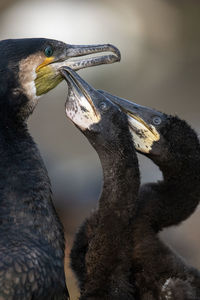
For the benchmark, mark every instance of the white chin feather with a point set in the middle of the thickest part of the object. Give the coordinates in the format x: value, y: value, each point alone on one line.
x: 143, y: 138
x: 80, y: 112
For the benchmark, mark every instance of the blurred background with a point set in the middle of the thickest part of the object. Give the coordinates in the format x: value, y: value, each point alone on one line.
x: 160, y: 67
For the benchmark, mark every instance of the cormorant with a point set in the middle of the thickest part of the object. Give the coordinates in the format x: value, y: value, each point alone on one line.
x: 156, y: 270
x: 159, y: 273
x: 108, y: 257
x: 31, y: 235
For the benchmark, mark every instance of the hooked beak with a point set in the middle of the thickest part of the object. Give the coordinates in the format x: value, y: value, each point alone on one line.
x: 72, y: 56
x: 82, y: 50
x: 141, y: 122
x: 48, y: 75
x: 82, y: 100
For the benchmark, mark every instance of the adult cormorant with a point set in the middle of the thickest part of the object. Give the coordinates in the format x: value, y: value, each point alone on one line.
x: 109, y: 230
x: 31, y: 235
x: 160, y: 273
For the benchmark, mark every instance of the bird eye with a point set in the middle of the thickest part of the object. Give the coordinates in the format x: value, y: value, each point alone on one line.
x: 103, y: 106
x: 157, y: 120
x: 48, y: 51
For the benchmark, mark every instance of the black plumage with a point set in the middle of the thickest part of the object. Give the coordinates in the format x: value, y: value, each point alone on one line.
x: 31, y: 264
x: 31, y: 235
x: 156, y: 271
x: 164, y: 204
x: 104, y: 270
x: 160, y: 273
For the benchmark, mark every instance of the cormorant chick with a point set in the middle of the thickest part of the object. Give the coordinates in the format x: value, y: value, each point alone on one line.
x: 31, y: 235
x: 158, y: 272
x: 106, y: 265
x: 171, y: 143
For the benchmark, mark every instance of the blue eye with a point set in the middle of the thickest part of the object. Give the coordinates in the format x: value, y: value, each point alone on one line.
x: 48, y: 51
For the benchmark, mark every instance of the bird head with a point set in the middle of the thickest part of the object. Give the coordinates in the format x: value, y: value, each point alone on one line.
x: 101, y: 120
x: 163, y: 138
x: 29, y: 69
x: 145, y: 123
x: 109, y: 121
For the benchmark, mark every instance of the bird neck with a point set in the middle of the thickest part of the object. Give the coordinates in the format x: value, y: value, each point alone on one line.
x: 121, y: 179
x: 117, y: 206
x: 175, y: 198
x: 25, y: 193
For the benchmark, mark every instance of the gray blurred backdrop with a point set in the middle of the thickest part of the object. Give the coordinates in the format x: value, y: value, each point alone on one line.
x: 160, y: 46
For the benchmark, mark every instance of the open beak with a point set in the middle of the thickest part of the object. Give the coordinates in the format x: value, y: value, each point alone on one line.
x: 72, y: 56
x: 140, y: 119
x: 82, y: 108
x: 48, y: 75
x: 74, y: 51
x: 82, y: 100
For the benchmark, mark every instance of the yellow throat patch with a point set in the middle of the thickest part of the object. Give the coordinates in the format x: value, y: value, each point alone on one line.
x: 47, y: 78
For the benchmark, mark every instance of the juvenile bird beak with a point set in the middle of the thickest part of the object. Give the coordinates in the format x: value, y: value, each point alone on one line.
x: 82, y: 101
x: 141, y: 122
